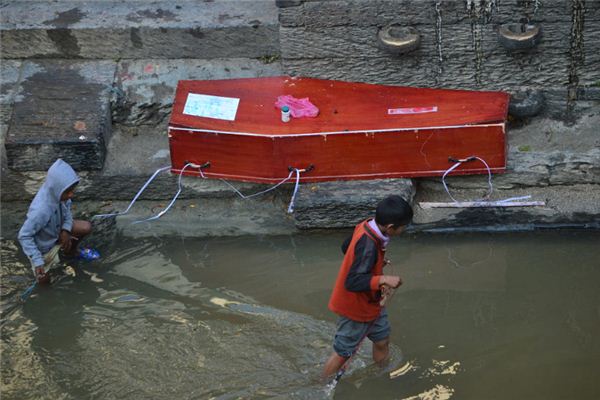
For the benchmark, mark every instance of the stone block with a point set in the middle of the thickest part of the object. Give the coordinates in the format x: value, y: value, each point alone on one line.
x: 62, y: 111
x: 345, y: 203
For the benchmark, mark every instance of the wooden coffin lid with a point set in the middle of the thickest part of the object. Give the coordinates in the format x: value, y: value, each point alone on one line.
x: 344, y: 106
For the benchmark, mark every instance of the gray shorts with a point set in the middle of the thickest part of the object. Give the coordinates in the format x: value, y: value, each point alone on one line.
x: 350, y: 333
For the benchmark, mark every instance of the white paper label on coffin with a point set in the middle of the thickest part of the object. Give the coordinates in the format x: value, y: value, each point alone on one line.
x: 203, y: 105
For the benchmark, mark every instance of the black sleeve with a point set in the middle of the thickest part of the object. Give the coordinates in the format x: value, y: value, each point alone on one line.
x: 365, y: 257
x: 346, y: 244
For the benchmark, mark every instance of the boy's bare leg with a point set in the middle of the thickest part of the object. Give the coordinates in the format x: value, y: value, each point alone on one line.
x: 381, y: 351
x: 332, y: 365
x: 79, y: 230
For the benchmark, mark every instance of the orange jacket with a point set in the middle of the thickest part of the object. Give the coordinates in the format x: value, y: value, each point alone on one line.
x: 364, y: 305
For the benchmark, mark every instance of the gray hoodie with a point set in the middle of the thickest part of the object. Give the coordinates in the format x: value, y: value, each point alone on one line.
x: 47, y: 215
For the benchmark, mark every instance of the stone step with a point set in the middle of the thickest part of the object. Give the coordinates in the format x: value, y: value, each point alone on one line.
x: 110, y: 29
x: 59, y: 110
x: 566, y: 206
x: 187, y: 217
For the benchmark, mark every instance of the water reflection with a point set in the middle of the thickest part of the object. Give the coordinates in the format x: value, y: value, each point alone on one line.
x: 479, y: 316
x: 476, y: 267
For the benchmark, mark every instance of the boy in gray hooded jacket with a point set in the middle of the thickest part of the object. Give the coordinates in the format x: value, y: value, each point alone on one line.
x: 49, y: 220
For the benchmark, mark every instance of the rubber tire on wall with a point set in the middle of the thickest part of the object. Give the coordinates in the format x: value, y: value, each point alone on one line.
x: 288, y: 3
x: 397, y: 39
x: 519, y: 36
x: 525, y: 104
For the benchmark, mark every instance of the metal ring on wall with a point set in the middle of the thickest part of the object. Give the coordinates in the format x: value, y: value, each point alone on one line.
x: 526, y: 103
x: 520, y: 36
x: 398, y: 39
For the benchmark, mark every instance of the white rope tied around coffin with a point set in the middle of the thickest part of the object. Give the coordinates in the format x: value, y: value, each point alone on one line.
x: 243, y: 196
x: 158, y: 171
x: 490, y: 186
x: 179, y: 188
x: 290, y: 206
x: 161, y: 213
x: 460, y: 162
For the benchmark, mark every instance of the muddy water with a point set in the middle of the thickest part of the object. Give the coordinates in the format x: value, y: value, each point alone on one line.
x: 480, y: 316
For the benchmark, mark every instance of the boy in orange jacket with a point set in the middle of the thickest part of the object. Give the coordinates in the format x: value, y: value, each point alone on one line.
x: 360, y: 284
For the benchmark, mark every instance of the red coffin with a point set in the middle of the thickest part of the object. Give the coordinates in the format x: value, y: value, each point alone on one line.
x: 363, y: 131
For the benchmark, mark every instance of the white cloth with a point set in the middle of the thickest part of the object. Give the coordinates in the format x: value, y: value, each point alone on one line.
x: 385, y: 239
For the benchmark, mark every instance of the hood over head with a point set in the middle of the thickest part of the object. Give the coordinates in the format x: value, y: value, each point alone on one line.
x: 60, y: 177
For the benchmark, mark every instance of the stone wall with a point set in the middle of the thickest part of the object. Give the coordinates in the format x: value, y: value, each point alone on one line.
x: 459, y: 45
x: 553, y: 157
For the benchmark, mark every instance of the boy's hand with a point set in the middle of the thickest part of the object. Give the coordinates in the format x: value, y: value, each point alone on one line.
x: 64, y: 239
x: 390, y: 280
x: 41, y: 276
x: 386, y: 293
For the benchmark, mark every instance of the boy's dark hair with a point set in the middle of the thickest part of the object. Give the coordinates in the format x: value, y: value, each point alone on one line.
x: 393, y: 210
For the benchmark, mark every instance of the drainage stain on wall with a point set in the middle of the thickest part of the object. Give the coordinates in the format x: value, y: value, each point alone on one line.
x: 480, y: 13
x: 576, y: 51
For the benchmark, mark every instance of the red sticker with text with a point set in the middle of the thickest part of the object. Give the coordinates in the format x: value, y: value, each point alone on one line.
x: 412, y: 110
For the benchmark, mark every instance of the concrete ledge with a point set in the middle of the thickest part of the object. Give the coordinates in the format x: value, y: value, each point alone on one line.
x: 139, y: 29
x: 574, y: 205
x: 211, y: 217
x: 188, y: 217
